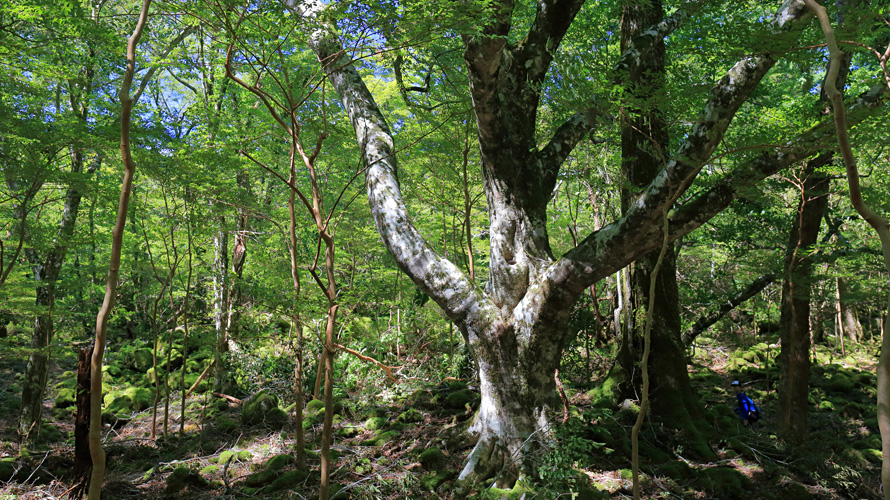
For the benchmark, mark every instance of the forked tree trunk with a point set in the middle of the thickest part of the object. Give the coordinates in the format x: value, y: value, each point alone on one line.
x: 794, y: 358
x: 517, y: 326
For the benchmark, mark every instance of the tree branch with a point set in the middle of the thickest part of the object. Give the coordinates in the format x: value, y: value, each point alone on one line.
x: 438, y: 277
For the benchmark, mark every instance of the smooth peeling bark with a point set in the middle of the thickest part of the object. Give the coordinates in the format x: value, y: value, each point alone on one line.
x: 516, y: 326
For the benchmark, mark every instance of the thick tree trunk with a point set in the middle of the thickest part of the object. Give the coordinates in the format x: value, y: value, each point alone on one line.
x: 794, y: 358
x: 516, y: 327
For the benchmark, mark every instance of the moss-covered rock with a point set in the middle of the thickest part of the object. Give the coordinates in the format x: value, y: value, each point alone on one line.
x: 209, y: 470
x: 279, y: 462
x: 261, y: 478
x: 432, y: 459
x: 460, y: 399
x: 431, y: 482
x: 409, y: 417
x: 7, y: 469
x: 375, y: 423
x: 725, y: 482
x: 839, y: 383
x: 141, y: 398
x: 244, y: 455
x: 142, y: 360
x: 375, y: 411
x: 309, y: 421
x: 182, y: 477
x: 262, y: 408
x: 381, y: 438
x: 64, y: 398
x: 794, y: 491
x: 676, y: 470
x: 349, y: 431
x: 314, y: 407
x: 872, y: 455
x: 288, y: 480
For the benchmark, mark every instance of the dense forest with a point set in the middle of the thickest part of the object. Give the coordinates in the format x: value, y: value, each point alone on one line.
x: 444, y: 249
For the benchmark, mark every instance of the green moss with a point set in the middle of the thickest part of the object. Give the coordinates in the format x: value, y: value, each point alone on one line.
x: 262, y: 408
x: 432, y: 459
x: 309, y: 421
x: 431, y: 482
x: 141, y: 398
x: 724, y: 482
x: 625, y: 474
x: 826, y: 405
x: 279, y: 462
x: 209, y: 470
x: 376, y: 411
x: 794, y: 491
x: 226, y: 456
x: 839, y: 383
x: 244, y: 455
x: 381, y: 438
x: 65, y: 398
x: 854, y: 457
x: 142, y: 360
x: 872, y: 455
x: 349, y: 431
x: 375, y: 423
x: 315, y: 407
x: 288, y: 480
x: 520, y: 490
x: 677, y: 470
x: 459, y: 399
x: 182, y: 477
x: 410, y: 416
x: 262, y: 478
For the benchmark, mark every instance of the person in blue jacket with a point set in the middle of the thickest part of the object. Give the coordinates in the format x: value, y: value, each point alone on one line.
x: 745, y: 407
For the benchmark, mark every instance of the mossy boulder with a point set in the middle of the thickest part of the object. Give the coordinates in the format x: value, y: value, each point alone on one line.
x: 409, y: 417
x: 309, y: 421
x: 458, y: 400
x: 314, y: 407
x: 120, y: 404
x: 209, y: 470
x: 794, y: 491
x: 375, y: 411
x: 183, y: 477
x: 839, y: 383
x: 431, y: 482
x: 422, y: 398
x: 7, y: 469
x: 349, y: 431
x: 279, y: 462
x: 261, y: 478
x: 141, y: 398
x: 262, y: 408
x: 375, y: 423
x: 725, y: 482
x: 288, y: 480
x: 432, y: 459
x: 380, y: 438
x: 676, y: 470
x: 64, y: 398
x: 142, y: 360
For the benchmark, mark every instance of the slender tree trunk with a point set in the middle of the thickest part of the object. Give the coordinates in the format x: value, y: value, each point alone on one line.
x: 83, y: 464
x: 849, y: 316
x: 794, y: 358
x: 222, y: 377
x: 117, y: 236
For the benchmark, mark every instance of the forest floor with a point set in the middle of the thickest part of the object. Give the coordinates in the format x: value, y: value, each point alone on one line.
x: 383, y: 442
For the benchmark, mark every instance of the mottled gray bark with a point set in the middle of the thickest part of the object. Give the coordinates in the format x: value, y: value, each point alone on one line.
x: 220, y: 300
x: 46, y: 271
x: 517, y: 326
x: 849, y: 320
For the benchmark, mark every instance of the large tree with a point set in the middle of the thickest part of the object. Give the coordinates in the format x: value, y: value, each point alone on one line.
x: 517, y: 324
